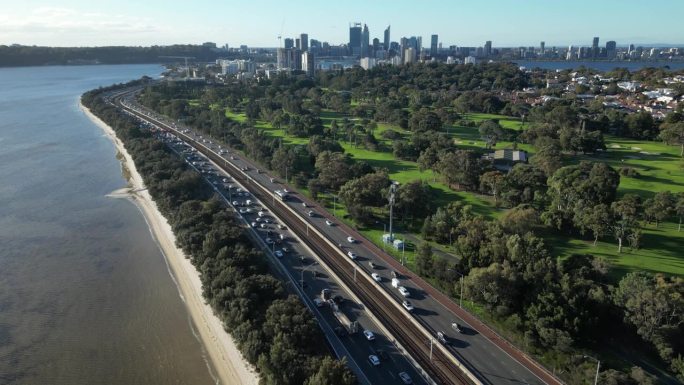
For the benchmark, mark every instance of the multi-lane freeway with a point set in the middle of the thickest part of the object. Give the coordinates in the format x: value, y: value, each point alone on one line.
x: 473, y: 355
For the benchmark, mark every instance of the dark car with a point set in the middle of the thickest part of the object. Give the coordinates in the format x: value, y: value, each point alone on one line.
x: 338, y: 299
x: 340, y: 331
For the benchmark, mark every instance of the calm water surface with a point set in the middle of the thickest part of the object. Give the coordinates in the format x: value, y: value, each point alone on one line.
x: 85, y: 294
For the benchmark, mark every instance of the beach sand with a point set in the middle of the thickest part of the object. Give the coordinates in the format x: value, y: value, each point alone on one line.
x: 228, y: 365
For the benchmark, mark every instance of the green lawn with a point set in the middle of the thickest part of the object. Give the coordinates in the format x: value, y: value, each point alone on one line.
x: 659, y: 167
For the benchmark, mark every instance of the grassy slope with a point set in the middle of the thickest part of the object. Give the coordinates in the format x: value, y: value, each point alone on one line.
x: 659, y: 170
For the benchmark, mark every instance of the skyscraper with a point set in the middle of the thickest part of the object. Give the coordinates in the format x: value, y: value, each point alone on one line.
x: 304, y: 38
x: 595, y: 48
x: 355, y: 38
x: 433, y: 45
x: 386, y: 42
x: 308, y: 65
x: 365, y: 41
x: 542, y: 47
x: 611, y: 49
x: 488, y: 48
x: 298, y: 43
x: 289, y: 43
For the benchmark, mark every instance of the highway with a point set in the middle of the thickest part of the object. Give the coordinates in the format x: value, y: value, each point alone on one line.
x: 488, y: 358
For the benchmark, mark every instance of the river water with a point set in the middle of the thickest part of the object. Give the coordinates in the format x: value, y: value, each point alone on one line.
x: 85, y: 294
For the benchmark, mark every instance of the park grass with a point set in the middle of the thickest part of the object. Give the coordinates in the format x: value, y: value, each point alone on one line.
x: 505, y: 121
x: 659, y: 169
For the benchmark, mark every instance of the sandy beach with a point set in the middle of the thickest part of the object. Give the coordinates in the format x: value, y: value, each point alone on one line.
x: 228, y: 365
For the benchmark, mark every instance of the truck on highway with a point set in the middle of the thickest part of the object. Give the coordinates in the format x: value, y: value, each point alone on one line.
x: 282, y: 195
x: 349, y: 326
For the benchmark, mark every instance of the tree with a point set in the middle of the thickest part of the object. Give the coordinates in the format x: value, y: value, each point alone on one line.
x: 492, y: 182
x: 414, y: 198
x: 625, y: 217
x: 651, y: 302
x: 548, y: 156
x: 660, y: 207
x: 679, y: 209
x: 520, y: 219
x: 461, y: 167
x: 673, y: 133
x: 331, y: 372
x: 598, y: 219
x: 333, y: 169
x: 491, y: 131
x: 424, y: 259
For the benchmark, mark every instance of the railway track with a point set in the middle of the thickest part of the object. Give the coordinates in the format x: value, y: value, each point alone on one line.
x: 434, y: 360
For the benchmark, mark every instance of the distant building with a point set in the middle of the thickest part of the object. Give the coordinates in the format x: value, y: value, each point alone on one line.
x: 410, y: 55
x: 355, y: 38
x: 488, y: 48
x: 304, y: 41
x: 542, y: 48
x: 386, y: 41
x: 506, y: 158
x: 289, y: 43
x: 368, y: 62
x: 595, y: 48
x: 365, y: 42
x: 611, y: 49
x: 470, y: 60
x: 434, y: 40
x: 308, y: 64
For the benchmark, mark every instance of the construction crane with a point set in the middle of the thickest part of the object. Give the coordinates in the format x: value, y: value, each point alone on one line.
x: 280, y: 35
x: 187, y: 68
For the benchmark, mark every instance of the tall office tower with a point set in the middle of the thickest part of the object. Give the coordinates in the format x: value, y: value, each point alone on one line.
x: 542, y: 47
x: 376, y: 45
x: 569, y: 56
x: 631, y: 48
x: 433, y: 45
x: 409, y: 55
x: 386, y: 42
x: 595, y: 48
x: 304, y: 39
x: 298, y: 43
x: 289, y: 43
x: 488, y: 48
x: 611, y: 49
x: 355, y: 38
x: 308, y: 64
x: 365, y: 41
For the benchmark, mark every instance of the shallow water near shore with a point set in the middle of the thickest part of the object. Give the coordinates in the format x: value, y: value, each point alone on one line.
x: 85, y: 294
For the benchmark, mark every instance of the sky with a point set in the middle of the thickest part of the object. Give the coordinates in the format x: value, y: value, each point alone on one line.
x: 257, y: 23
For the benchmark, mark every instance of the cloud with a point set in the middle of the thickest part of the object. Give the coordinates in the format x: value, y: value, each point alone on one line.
x: 48, y: 20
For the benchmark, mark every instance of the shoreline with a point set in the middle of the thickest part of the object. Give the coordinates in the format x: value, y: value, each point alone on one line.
x: 227, y: 364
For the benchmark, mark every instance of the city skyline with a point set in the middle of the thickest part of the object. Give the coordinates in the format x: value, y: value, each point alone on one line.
x: 504, y: 22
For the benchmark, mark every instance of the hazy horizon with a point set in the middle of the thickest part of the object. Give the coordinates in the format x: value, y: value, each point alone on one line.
x: 507, y: 23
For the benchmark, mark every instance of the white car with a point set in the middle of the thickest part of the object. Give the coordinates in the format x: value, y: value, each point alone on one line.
x: 407, y: 305
x: 405, y: 378
x: 328, y: 222
x: 374, y: 360
x: 404, y: 291
x: 253, y: 224
x: 278, y: 253
x: 258, y: 219
x: 311, y: 213
x: 261, y: 213
x: 376, y: 277
x: 351, y: 254
x: 280, y: 226
x: 236, y: 203
x: 243, y: 211
x: 263, y: 225
x: 351, y: 240
x: 369, y: 335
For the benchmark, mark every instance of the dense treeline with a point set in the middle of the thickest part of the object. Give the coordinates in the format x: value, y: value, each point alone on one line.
x: 20, y: 55
x: 274, y: 331
x: 557, y: 309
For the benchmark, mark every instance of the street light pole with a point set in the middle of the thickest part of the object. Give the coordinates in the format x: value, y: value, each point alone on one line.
x: 460, y: 300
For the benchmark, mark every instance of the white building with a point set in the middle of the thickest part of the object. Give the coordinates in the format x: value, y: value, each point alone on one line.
x: 368, y: 62
x: 470, y: 60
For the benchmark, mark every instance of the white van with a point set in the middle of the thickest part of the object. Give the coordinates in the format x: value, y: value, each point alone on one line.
x: 395, y: 283
x: 249, y: 202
